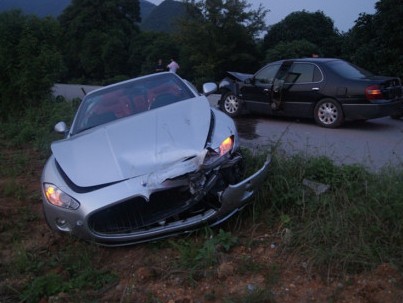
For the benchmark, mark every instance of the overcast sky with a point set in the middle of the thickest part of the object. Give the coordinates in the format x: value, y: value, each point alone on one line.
x: 342, y: 12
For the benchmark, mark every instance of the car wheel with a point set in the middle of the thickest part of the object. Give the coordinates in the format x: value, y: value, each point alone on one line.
x: 230, y: 105
x: 328, y: 113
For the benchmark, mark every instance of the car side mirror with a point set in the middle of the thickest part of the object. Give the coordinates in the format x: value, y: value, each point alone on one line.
x: 209, y: 88
x: 61, y: 127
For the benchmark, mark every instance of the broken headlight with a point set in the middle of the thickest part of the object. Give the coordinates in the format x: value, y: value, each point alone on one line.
x: 216, y: 156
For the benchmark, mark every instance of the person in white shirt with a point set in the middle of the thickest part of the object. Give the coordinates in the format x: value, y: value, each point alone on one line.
x: 173, y: 66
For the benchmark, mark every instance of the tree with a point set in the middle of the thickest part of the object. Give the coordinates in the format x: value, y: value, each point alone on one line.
x: 30, y: 60
x: 315, y: 28
x: 97, y: 35
x: 147, y: 48
x: 376, y: 41
x: 359, y: 43
x: 218, y: 35
x: 293, y: 49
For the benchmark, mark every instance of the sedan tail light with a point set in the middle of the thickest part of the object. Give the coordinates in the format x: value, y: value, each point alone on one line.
x: 373, y: 92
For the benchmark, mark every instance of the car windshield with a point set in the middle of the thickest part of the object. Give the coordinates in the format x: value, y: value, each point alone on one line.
x: 130, y: 98
x: 348, y: 70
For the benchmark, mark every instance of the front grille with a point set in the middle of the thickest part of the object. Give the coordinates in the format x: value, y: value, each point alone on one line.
x: 139, y: 214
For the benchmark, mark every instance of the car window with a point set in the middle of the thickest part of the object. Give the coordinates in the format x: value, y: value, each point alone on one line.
x: 301, y: 72
x: 130, y: 98
x: 266, y: 74
x: 348, y: 70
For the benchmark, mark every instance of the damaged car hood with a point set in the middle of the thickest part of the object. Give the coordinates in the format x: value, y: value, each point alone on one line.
x: 136, y: 145
x: 239, y: 76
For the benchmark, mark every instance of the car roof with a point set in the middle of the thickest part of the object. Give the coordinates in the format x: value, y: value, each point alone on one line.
x: 307, y: 59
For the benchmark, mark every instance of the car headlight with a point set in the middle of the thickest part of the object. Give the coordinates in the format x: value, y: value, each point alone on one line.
x: 57, y: 197
x: 216, y: 155
x: 226, y: 146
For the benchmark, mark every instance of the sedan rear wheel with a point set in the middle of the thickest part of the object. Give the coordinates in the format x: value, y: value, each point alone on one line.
x: 328, y: 113
x: 231, y: 105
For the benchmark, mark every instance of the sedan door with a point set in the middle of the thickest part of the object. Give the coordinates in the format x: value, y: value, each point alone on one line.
x: 300, y: 89
x: 257, y: 94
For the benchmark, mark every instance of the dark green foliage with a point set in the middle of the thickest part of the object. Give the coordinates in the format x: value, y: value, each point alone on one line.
x: 147, y: 48
x: 293, y: 49
x: 217, y: 36
x: 30, y: 61
x: 316, y: 28
x: 97, y: 36
x: 375, y: 42
x: 35, y: 125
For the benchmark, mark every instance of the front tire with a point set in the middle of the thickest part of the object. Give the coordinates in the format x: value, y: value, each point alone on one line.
x: 328, y: 113
x: 230, y: 105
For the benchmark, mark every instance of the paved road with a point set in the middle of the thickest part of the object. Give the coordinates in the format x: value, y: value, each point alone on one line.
x: 374, y: 143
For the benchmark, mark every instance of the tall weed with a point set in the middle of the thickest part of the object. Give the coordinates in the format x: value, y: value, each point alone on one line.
x: 35, y: 125
x: 354, y: 225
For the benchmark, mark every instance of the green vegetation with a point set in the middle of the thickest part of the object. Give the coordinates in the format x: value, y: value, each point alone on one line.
x: 195, y: 255
x: 353, y: 225
x: 69, y: 270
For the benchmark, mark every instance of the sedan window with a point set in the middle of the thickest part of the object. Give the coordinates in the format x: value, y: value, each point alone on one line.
x: 304, y: 73
x: 348, y: 70
x: 266, y: 75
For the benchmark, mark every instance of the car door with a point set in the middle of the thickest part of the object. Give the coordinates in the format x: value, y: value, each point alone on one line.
x: 300, y: 89
x: 257, y: 95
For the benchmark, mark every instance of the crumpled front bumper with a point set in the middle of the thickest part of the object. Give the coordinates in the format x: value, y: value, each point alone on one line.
x: 235, y: 197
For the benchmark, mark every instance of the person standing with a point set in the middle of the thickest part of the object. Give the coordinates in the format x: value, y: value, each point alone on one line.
x: 173, y: 66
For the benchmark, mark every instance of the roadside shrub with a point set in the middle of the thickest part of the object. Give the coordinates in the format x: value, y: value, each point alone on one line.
x: 354, y: 225
x: 35, y: 125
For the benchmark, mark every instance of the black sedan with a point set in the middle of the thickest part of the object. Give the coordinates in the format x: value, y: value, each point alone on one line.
x: 326, y: 89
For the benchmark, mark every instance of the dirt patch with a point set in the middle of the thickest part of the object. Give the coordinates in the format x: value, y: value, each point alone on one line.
x: 257, y: 269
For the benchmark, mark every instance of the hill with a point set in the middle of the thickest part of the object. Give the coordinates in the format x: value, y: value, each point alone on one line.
x: 43, y: 8
x: 164, y: 17
x: 40, y: 8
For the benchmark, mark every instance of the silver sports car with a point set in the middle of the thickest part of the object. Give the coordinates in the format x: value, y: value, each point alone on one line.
x: 145, y: 159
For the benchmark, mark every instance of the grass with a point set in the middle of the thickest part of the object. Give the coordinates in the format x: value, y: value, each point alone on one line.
x: 198, y: 255
x: 68, y: 270
x: 353, y: 226
x: 35, y: 126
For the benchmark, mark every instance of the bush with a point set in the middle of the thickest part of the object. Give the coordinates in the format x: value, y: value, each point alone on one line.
x: 355, y: 225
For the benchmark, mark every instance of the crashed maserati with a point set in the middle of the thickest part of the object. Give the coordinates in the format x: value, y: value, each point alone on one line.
x: 145, y: 159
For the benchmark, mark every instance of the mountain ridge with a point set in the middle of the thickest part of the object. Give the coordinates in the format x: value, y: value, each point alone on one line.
x: 155, y: 18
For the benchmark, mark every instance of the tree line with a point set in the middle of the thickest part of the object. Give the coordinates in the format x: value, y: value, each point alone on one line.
x: 100, y: 42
